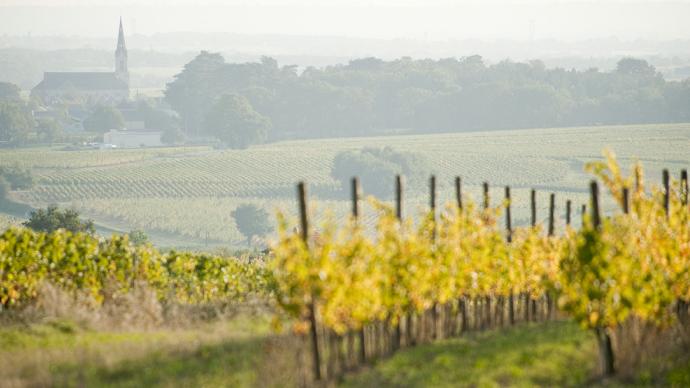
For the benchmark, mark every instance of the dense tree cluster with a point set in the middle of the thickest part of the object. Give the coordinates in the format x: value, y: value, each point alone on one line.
x: 9, y: 92
x: 235, y: 123
x: 371, y: 96
x: 31, y: 122
x: 16, y: 123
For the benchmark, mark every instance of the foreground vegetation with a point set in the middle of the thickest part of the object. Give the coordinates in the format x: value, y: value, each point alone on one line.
x: 360, y: 298
x: 626, y: 277
x: 103, y: 270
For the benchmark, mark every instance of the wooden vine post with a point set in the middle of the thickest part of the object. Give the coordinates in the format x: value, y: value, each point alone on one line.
x: 626, y: 200
x: 568, y: 210
x: 398, y: 214
x: 530, y: 304
x: 682, y: 305
x: 509, y: 238
x: 458, y: 192
x: 552, y: 215
x: 432, y: 207
x: 355, y: 216
x: 667, y: 191
x: 509, y: 228
x: 603, y: 338
x: 462, y: 302
x: 304, y: 223
x: 487, y: 298
x: 485, y: 189
x: 684, y: 187
x: 552, y: 229
x: 594, y: 193
x: 533, y: 207
x: 355, y: 197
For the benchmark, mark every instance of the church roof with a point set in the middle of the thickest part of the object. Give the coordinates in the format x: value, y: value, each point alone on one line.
x: 81, y: 81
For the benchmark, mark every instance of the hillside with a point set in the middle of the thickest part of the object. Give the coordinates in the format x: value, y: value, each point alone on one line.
x: 184, y: 195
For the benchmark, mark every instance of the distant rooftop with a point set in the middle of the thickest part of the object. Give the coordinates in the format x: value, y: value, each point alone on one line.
x: 81, y: 81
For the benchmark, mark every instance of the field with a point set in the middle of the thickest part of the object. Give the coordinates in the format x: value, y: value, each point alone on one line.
x: 235, y: 354
x: 183, y: 196
x: 558, y: 354
x: 61, y: 353
x: 242, y: 353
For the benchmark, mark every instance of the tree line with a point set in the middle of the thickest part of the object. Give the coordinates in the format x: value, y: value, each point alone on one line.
x: 19, y: 124
x: 371, y: 96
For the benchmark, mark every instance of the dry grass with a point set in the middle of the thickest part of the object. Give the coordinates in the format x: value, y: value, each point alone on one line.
x: 645, y: 351
x: 136, y: 310
x: 134, y: 339
x: 139, y: 309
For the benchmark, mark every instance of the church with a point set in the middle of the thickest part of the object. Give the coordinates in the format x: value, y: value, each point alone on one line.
x: 91, y: 87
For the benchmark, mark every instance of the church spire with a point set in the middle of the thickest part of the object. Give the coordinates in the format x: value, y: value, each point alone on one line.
x: 121, y: 71
x: 121, y: 38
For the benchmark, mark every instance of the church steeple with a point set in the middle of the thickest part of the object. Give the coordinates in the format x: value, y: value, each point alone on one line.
x: 121, y: 56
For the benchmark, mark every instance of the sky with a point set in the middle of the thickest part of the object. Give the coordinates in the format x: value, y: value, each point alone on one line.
x: 568, y: 20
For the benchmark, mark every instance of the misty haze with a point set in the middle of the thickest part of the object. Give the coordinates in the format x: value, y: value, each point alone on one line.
x: 357, y: 193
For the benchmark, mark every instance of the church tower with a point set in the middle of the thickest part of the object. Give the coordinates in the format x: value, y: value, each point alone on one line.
x: 121, y: 71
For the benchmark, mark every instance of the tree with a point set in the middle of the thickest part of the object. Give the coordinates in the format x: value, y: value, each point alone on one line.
x: 172, y: 136
x: 235, y: 123
x: 16, y: 123
x: 104, y: 118
x: 376, y: 169
x: 4, y: 189
x: 155, y: 118
x: 251, y: 221
x: 138, y: 237
x: 49, y: 130
x: 9, y: 92
x: 633, y: 66
x: 52, y: 219
x: 194, y: 90
x: 19, y: 178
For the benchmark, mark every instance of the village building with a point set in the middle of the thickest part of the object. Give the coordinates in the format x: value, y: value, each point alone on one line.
x: 109, y: 88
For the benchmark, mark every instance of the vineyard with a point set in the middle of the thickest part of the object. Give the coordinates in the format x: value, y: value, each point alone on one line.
x: 358, y: 285
x: 358, y: 298
x: 56, y: 158
x: 165, y: 191
x: 104, y: 269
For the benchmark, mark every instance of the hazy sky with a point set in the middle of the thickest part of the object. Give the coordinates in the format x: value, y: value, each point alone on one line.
x: 419, y: 19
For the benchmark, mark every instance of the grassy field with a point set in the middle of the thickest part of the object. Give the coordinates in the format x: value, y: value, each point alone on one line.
x: 239, y: 352
x: 555, y: 354
x: 184, y: 196
x: 243, y: 353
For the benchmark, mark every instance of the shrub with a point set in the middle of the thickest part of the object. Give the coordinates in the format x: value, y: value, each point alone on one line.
x: 19, y: 178
x: 376, y: 169
x: 52, y: 219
